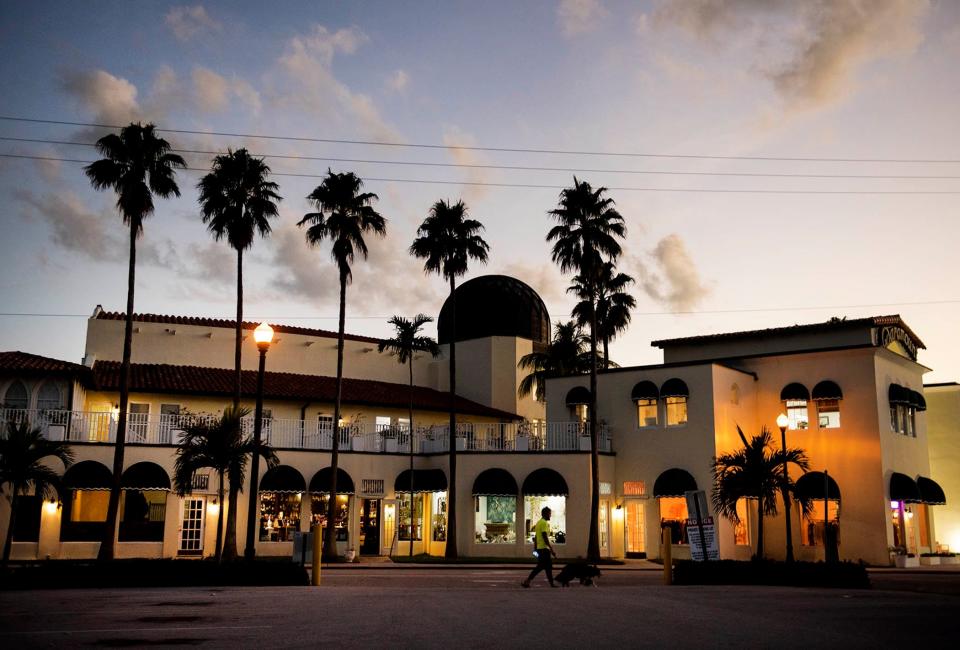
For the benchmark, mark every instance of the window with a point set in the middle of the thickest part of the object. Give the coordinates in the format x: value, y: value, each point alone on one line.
x: 16, y: 397
x: 138, y: 419
x: 403, y: 519
x: 581, y: 412
x: 318, y: 513
x: 647, y: 412
x: 741, y: 528
x: 903, y: 419
x: 673, y: 515
x: 532, y: 507
x: 143, y: 515
x: 84, y: 514
x: 438, y: 518
x: 279, y: 516
x: 169, y: 422
x: 325, y: 423
x: 382, y: 423
x: 49, y: 397
x: 812, y: 525
x: 676, y: 410
x: 797, y: 414
x: 494, y: 519
x: 828, y: 413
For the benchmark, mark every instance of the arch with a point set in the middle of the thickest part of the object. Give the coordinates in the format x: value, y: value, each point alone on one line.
x: 145, y: 476
x: 811, y: 486
x: 827, y: 389
x: 50, y: 396
x: 795, y: 391
x: 87, y: 475
x: 320, y: 483
x: 545, y: 482
x: 495, y: 482
x: 16, y: 396
x: 283, y: 478
x: 645, y: 390
x: 674, y: 388
x: 424, y: 480
x: 578, y: 395
x: 673, y: 483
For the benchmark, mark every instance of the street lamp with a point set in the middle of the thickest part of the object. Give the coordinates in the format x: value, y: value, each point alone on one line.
x: 263, y: 336
x: 782, y: 422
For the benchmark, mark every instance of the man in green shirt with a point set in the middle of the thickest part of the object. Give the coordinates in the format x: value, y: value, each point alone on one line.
x: 544, y: 549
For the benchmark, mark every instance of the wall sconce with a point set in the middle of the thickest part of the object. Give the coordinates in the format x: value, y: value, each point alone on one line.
x: 51, y: 506
x: 618, y: 512
x: 213, y: 507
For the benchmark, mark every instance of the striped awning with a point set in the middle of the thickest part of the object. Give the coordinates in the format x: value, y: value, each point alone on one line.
x: 88, y: 475
x: 320, y: 483
x: 545, y: 482
x: 827, y: 389
x: 283, y: 478
x: 897, y: 394
x: 645, y: 390
x: 578, y: 395
x: 424, y: 480
x: 794, y: 391
x: 674, y: 388
x: 813, y: 486
x: 145, y: 476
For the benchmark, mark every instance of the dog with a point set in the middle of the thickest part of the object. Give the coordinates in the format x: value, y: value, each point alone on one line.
x: 578, y: 570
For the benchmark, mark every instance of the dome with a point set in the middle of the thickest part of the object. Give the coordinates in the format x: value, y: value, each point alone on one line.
x: 495, y: 305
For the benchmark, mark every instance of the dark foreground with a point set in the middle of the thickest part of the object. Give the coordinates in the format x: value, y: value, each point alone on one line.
x: 413, y: 607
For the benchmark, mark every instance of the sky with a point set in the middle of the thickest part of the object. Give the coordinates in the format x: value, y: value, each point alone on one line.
x: 764, y: 154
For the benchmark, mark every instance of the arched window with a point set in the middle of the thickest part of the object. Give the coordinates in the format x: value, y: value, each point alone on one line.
x: 647, y: 397
x: 827, y: 395
x: 795, y: 398
x: 578, y: 401
x: 281, y: 491
x: 542, y: 488
x: 16, y: 397
x: 675, y: 396
x: 495, y: 507
x: 49, y: 397
x: 144, y: 503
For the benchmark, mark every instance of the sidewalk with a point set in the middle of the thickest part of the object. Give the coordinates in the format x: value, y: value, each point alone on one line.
x: 376, y: 563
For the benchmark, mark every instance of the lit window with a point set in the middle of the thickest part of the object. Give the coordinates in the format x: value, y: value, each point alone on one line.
x: 813, y: 524
x: 84, y: 514
x: 581, y: 412
x: 403, y: 519
x: 676, y: 410
x: 279, y: 516
x: 828, y: 413
x: 494, y: 519
x: 647, y: 412
x: 532, y: 507
x: 797, y: 414
x: 673, y: 515
x: 438, y: 518
x: 741, y: 528
x: 318, y: 513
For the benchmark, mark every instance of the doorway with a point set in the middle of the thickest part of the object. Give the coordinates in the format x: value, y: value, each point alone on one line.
x: 633, y: 526
x: 370, y: 527
x: 191, y: 526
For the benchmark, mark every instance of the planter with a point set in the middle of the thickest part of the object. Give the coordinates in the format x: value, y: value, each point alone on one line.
x: 930, y: 560
x: 904, y: 562
x: 350, y: 554
x: 952, y: 559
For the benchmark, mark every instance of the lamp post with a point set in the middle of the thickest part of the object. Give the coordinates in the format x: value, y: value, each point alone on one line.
x: 263, y: 336
x: 782, y: 422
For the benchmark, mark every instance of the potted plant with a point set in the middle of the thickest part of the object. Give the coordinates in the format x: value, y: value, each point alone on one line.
x: 930, y: 559
x: 350, y: 554
x: 949, y: 558
x: 902, y: 559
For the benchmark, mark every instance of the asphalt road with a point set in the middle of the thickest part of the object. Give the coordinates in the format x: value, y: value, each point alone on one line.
x: 479, y: 608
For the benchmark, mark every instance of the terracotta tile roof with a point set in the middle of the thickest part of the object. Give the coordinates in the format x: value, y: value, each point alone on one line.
x: 23, y: 363
x: 161, y: 378
x: 811, y: 328
x: 226, y: 323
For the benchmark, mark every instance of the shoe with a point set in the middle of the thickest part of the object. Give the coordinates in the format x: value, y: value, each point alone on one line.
x: 525, y: 584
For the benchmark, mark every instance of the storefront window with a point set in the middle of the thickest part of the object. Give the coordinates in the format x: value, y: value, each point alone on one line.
x: 741, y: 529
x: 144, y: 514
x: 647, y: 412
x: 403, y: 519
x: 438, y: 519
x: 84, y: 515
x: 673, y: 515
x: 318, y: 513
x: 533, y: 505
x: 495, y: 519
x: 797, y: 414
x: 813, y: 525
x: 904, y: 535
x: 828, y: 413
x: 279, y: 516
x: 676, y: 410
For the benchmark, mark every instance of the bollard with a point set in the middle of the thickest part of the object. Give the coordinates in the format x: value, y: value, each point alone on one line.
x: 667, y: 556
x: 317, y: 548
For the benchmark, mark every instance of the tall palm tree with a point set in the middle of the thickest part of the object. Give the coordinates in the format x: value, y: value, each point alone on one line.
x: 136, y: 165
x: 237, y: 202
x: 344, y: 215
x: 447, y: 240
x: 753, y: 472
x: 584, y: 238
x: 221, y: 446
x: 22, y: 454
x: 613, y: 305
x: 566, y: 355
x: 404, y: 346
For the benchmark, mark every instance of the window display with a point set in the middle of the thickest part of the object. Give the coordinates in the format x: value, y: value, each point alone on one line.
x: 741, y: 528
x: 673, y: 515
x: 812, y: 529
x: 318, y: 513
x: 403, y: 519
x: 495, y: 519
x: 279, y: 516
x: 532, y: 505
x: 439, y: 516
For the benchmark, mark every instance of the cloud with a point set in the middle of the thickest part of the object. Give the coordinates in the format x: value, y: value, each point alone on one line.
x: 579, y: 16
x: 110, y: 99
x: 213, y: 92
x: 674, y: 281
x: 187, y: 23
x: 398, y: 81
x: 456, y: 139
x: 73, y: 226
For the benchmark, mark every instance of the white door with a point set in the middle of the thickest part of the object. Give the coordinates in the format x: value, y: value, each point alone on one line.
x: 191, y: 527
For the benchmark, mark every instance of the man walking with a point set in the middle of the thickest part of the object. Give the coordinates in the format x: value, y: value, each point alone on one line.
x: 544, y: 549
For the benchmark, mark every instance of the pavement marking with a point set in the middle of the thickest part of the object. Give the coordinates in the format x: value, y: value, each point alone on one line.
x: 142, y: 629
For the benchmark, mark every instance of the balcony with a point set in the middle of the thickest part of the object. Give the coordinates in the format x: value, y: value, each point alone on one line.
x: 143, y: 429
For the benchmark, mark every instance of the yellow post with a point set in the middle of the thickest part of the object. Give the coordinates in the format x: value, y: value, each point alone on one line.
x: 667, y: 557
x: 317, y: 555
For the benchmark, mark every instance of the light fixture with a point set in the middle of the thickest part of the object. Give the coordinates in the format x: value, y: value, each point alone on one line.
x: 782, y: 421
x: 51, y: 507
x: 213, y: 507
x: 263, y: 335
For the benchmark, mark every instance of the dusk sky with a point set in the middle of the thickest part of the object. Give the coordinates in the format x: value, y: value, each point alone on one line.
x: 728, y: 96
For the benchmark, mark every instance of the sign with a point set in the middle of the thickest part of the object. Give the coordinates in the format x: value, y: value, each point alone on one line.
x: 701, y: 531
x: 889, y: 336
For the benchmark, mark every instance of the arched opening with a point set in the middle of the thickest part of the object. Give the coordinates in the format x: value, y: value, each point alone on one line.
x: 87, y: 491
x: 495, y: 507
x: 16, y: 396
x: 545, y: 488
x: 795, y: 397
x: 669, y: 490
x: 143, y: 503
x: 320, y: 501
x: 281, y: 492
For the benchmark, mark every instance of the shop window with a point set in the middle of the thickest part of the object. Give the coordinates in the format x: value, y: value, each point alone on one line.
x: 143, y: 515
x: 494, y: 519
x: 741, y: 528
x: 48, y: 399
x: 403, y: 519
x: 673, y: 515
x: 16, y: 397
x: 797, y: 414
x: 318, y: 513
x: 676, y: 410
x: 279, y: 516
x: 85, y: 513
x: 438, y: 519
x: 828, y: 413
x: 813, y: 525
x: 904, y: 533
x: 647, y: 412
x: 27, y: 526
x: 533, y: 505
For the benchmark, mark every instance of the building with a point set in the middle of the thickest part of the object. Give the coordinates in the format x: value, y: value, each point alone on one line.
x: 943, y: 438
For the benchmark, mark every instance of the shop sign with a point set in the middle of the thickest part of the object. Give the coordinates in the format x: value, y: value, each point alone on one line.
x: 371, y: 487
x: 889, y: 335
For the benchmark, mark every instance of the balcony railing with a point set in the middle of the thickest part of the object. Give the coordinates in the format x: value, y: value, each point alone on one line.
x: 101, y: 427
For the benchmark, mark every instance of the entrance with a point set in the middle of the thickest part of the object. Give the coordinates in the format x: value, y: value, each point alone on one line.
x: 191, y: 526
x: 370, y: 527
x: 633, y: 526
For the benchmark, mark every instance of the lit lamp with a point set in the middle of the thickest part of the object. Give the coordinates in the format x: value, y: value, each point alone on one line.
x: 52, y: 506
x: 782, y: 422
x: 263, y: 335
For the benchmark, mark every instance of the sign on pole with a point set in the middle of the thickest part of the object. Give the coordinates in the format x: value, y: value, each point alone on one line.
x: 701, y: 531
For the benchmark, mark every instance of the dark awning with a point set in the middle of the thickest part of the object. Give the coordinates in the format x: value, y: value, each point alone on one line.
x: 917, y: 401
x: 794, y: 391
x: 827, y: 389
x: 320, y: 483
x: 930, y: 492
x: 424, y: 480
x: 578, y: 395
x: 545, y: 482
x: 673, y: 483
x: 897, y: 394
x: 145, y: 476
x: 903, y: 488
x: 811, y: 486
x: 645, y: 390
x: 283, y: 478
x: 495, y: 482
x: 674, y: 388
x: 88, y: 475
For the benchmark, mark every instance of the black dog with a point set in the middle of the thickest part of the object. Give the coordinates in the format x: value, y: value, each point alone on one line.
x: 578, y: 570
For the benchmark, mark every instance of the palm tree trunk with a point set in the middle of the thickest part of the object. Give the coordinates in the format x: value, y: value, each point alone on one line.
x: 451, y: 548
x: 593, y: 543
x: 410, y: 419
x: 113, y: 507
x: 8, y: 544
x: 330, y: 542
x: 219, y: 547
x: 759, y: 529
x: 230, y: 538
x: 238, y: 349
x: 606, y: 353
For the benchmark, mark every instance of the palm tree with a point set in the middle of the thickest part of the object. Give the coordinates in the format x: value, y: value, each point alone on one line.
x: 753, y: 472
x: 136, y: 165
x: 613, y: 305
x: 584, y: 238
x: 566, y: 355
x: 22, y: 454
x: 404, y: 346
x: 344, y: 215
x: 221, y: 446
x: 447, y: 240
x: 237, y: 202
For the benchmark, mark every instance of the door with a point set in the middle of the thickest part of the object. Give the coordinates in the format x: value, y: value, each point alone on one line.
x: 138, y: 419
x: 370, y: 527
x: 633, y: 528
x: 603, y: 525
x: 169, y: 420
x: 191, y: 526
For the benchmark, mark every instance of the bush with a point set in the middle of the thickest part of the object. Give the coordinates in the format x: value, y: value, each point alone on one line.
x: 845, y: 575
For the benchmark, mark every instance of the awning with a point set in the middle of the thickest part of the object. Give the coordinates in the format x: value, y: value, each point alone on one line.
x: 811, y: 486
x: 88, y: 475
x: 145, y: 476
x: 495, y: 482
x: 674, y: 388
x: 930, y: 492
x: 320, y: 483
x: 645, y: 390
x: 424, y: 480
x: 673, y: 483
x: 897, y: 394
x: 903, y: 488
x: 917, y: 401
x: 794, y: 391
x: 283, y: 478
x: 578, y: 395
x: 827, y: 389
x: 545, y: 482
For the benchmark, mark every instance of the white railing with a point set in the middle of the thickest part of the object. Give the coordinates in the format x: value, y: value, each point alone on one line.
x: 101, y: 427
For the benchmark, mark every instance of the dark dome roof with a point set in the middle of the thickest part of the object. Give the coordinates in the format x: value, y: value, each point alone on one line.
x: 495, y: 305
